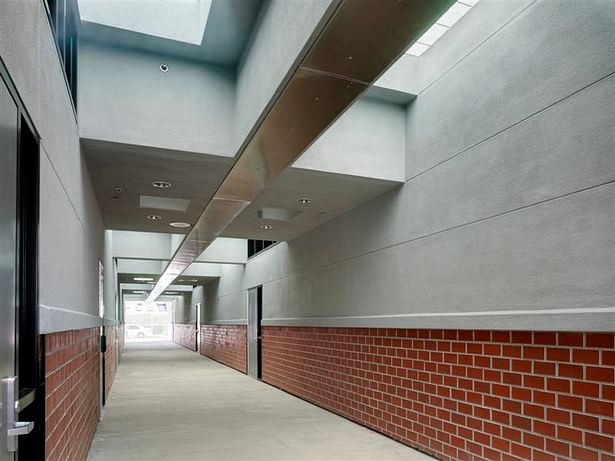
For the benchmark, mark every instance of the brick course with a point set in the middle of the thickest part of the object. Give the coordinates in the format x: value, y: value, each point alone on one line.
x: 458, y: 395
x: 184, y: 334
x: 72, y: 393
x: 226, y: 344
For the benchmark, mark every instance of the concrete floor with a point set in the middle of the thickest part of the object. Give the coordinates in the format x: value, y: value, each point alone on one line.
x: 170, y: 404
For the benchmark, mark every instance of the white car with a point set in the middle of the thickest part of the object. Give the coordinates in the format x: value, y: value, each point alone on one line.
x: 137, y: 331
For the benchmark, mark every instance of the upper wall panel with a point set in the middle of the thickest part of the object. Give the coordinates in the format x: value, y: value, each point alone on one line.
x: 124, y: 97
x: 544, y: 54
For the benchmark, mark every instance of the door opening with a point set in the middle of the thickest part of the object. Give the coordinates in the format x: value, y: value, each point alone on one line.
x: 255, y: 317
x: 197, y: 336
x: 21, y: 347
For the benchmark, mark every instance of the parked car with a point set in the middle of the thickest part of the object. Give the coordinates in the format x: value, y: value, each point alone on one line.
x: 137, y: 331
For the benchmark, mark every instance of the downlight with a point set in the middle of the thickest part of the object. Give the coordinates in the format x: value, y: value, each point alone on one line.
x: 161, y: 184
x: 180, y: 225
x: 164, y: 68
x: 154, y: 217
x: 266, y: 227
x: 305, y: 201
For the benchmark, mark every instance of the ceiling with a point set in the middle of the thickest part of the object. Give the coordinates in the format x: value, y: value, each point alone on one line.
x: 331, y: 194
x: 228, y: 29
x: 193, y: 177
x: 187, y: 280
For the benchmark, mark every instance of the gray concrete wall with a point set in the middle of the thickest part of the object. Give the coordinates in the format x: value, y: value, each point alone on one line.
x: 282, y: 31
x: 124, y: 97
x: 196, y: 107
x: 183, y: 308
x: 367, y: 140
x: 506, y: 217
x: 71, y: 230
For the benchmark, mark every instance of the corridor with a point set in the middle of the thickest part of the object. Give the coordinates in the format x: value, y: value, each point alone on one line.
x: 168, y: 403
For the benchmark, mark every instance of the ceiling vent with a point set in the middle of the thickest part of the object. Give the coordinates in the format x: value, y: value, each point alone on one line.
x: 163, y: 203
x: 277, y: 214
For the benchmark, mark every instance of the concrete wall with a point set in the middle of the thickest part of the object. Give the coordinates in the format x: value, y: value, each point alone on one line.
x: 182, y: 308
x: 367, y: 140
x: 282, y: 31
x: 71, y: 231
x: 506, y: 218
x: 124, y: 97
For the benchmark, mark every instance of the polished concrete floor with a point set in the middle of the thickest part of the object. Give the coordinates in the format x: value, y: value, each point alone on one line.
x: 168, y: 403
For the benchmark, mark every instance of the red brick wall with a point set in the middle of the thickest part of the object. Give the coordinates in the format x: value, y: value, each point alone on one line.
x: 72, y: 393
x: 184, y: 334
x: 111, y: 357
x: 226, y: 344
x: 458, y: 395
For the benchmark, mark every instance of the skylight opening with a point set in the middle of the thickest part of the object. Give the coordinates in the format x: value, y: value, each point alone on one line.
x: 441, y: 26
x: 179, y: 20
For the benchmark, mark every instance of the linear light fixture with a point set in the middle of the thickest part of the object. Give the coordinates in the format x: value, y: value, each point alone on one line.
x: 441, y: 26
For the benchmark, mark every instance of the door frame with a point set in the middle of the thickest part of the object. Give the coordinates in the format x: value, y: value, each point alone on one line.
x: 197, y: 337
x: 259, y: 332
x: 30, y: 347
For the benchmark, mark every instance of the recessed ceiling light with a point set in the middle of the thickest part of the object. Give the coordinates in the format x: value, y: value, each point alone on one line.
x: 179, y: 224
x: 304, y: 201
x: 161, y: 184
x: 154, y: 217
x: 164, y: 67
x: 143, y: 279
x: 266, y: 227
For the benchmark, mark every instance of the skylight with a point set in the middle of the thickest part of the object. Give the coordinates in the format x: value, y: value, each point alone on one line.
x: 442, y: 25
x: 179, y: 20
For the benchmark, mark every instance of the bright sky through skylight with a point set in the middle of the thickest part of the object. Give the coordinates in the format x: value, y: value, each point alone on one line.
x: 180, y: 20
x: 444, y: 22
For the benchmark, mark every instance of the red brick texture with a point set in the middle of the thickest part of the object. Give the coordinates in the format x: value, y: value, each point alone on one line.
x: 226, y: 344
x: 184, y: 334
x: 111, y: 357
x: 72, y: 393
x: 458, y: 395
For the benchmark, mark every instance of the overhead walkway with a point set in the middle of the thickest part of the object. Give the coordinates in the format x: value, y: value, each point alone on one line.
x: 168, y: 403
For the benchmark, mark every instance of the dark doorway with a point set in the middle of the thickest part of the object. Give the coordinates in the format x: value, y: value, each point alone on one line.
x: 21, y: 346
x: 30, y: 364
x: 255, y: 317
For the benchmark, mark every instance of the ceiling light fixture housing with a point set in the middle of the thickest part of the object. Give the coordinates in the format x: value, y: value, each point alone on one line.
x: 180, y: 225
x: 154, y: 217
x: 161, y: 184
x: 143, y: 279
x: 164, y: 68
x: 304, y: 201
x: 266, y: 227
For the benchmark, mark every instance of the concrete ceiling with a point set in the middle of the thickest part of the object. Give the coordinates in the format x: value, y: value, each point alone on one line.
x: 194, y: 177
x: 332, y: 195
x: 227, y: 32
x: 187, y: 280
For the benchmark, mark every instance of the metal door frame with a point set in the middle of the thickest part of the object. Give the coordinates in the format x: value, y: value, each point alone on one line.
x: 197, y: 337
x: 257, y: 335
x: 29, y: 344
